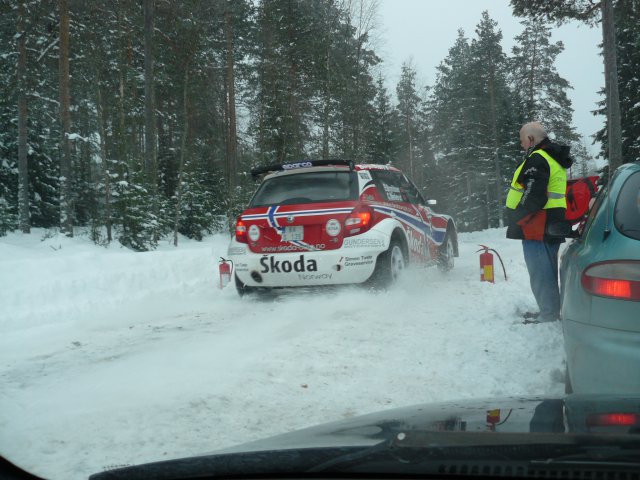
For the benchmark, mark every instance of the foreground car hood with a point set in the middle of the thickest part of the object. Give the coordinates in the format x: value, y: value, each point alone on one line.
x: 485, y: 430
x: 509, y: 415
x: 571, y: 414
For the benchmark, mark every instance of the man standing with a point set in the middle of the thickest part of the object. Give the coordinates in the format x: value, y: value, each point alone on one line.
x: 536, y: 200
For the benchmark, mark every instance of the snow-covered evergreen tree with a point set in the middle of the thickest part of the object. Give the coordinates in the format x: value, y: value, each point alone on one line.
x: 407, y: 117
x: 543, y: 92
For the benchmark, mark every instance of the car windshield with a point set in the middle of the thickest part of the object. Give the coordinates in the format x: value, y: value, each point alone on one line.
x: 226, y: 220
x: 307, y: 188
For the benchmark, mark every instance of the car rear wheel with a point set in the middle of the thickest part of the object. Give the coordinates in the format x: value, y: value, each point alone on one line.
x: 446, y: 254
x: 389, y: 266
x: 241, y: 288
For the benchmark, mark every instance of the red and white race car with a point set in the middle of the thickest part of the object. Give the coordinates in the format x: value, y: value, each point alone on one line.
x: 330, y: 222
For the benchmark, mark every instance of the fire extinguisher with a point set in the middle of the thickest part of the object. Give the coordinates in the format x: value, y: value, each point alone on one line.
x: 486, y: 264
x: 225, y: 267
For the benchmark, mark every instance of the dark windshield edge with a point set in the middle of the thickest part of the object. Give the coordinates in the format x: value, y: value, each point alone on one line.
x: 390, y: 458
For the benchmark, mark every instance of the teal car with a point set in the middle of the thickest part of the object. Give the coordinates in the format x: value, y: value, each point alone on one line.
x: 600, y: 292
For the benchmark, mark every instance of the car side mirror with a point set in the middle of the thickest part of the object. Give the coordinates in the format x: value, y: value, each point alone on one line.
x: 432, y: 202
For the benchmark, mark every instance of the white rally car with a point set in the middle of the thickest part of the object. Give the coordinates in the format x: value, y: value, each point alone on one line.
x: 331, y: 222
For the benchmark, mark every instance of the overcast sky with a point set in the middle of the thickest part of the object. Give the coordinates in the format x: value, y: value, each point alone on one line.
x: 424, y: 30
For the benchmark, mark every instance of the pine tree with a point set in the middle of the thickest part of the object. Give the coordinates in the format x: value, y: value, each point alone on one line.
x: 589, y: 12
x: 454, y: 133
x: 583, y: 165
x: 383, y: 137
x: 534, y: 76
x: 286, y: 57
x: 628, y: 44
x: 66, y: 197
x: 495, y: 121
x: 23, y: 169
x: 427, y: 176
x: 8, y: 118
x: 357, y: 90
x: 39, y: 87
x: 408, y: 107
x: 628, y: 54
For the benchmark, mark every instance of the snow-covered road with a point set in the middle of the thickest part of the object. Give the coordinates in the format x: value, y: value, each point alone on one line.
x: 109, y: 357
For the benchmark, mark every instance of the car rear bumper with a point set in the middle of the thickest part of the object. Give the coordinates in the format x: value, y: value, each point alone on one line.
x: 602, y: 360
x: 353, y: 263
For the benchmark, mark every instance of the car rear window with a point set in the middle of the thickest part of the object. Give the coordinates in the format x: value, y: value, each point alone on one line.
x: 627, y: 212
x: 307, y: 188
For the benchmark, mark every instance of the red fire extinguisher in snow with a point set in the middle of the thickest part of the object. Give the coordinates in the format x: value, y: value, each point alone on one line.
x: 225, y: 271
x: 486, y: 264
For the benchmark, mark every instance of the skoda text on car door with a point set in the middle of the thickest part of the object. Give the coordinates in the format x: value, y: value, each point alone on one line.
x: 331, y: 223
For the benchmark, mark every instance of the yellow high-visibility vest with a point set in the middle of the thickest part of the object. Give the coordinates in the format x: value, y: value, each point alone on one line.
x: 556, y: 189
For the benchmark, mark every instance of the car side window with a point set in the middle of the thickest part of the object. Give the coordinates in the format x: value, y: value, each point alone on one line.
x: 390, y: 185
x: 414, y: 195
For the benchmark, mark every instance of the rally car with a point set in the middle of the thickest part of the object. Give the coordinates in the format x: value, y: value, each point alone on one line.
x: 330, y: 222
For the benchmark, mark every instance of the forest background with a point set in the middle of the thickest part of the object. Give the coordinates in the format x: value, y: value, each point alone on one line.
x: 135, y: 121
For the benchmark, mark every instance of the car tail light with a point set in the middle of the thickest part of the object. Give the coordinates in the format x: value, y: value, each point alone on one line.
x: 359, y: 220
x: 613, y: 420
x: 241, y: 231
x: 614, y: 279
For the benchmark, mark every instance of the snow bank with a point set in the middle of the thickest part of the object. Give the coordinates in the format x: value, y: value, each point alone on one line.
x: 110, y: 357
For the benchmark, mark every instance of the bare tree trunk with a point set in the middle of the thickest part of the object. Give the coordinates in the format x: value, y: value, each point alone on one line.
x: 23, y: 168
x: 361, y: 13
x: 182, y: 156
x: 494, y: 133
x: 614, y: 129
x: 530, y: 103
x: 150, y: 142
x: 150, y: 149
x: 66, y: 207
x: 487, y: 200
x: 410, y: 137
x: 327, y: 103
x: 105, y: 162
x: 231, y: 101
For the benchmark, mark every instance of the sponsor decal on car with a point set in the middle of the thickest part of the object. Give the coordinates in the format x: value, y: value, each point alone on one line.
x: 237, y: 250
x: 271, y: 265
x: 358, y: 261
x: 293, y: 248
x: 354, y: 242
x: 416, y: 241
x: 435, y: 234
x: 316, y: 276
x: 333, y: 227
x: 375, y: 166
x: 241, y: 267
x: 291, y: 166
x: 393, y: 193
x: 395, y: 206
x: 273, y: 213
x: 254, y: 233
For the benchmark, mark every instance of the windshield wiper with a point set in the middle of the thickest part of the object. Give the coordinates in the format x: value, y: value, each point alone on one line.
x: 601, y: 454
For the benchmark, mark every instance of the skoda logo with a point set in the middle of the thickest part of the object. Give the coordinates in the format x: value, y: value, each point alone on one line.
x: 290, y: 219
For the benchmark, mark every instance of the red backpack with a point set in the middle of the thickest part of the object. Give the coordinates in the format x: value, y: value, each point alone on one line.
x: 580, y: 191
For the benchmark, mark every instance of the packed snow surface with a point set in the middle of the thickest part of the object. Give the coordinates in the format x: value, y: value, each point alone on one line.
x: 110, y: 357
